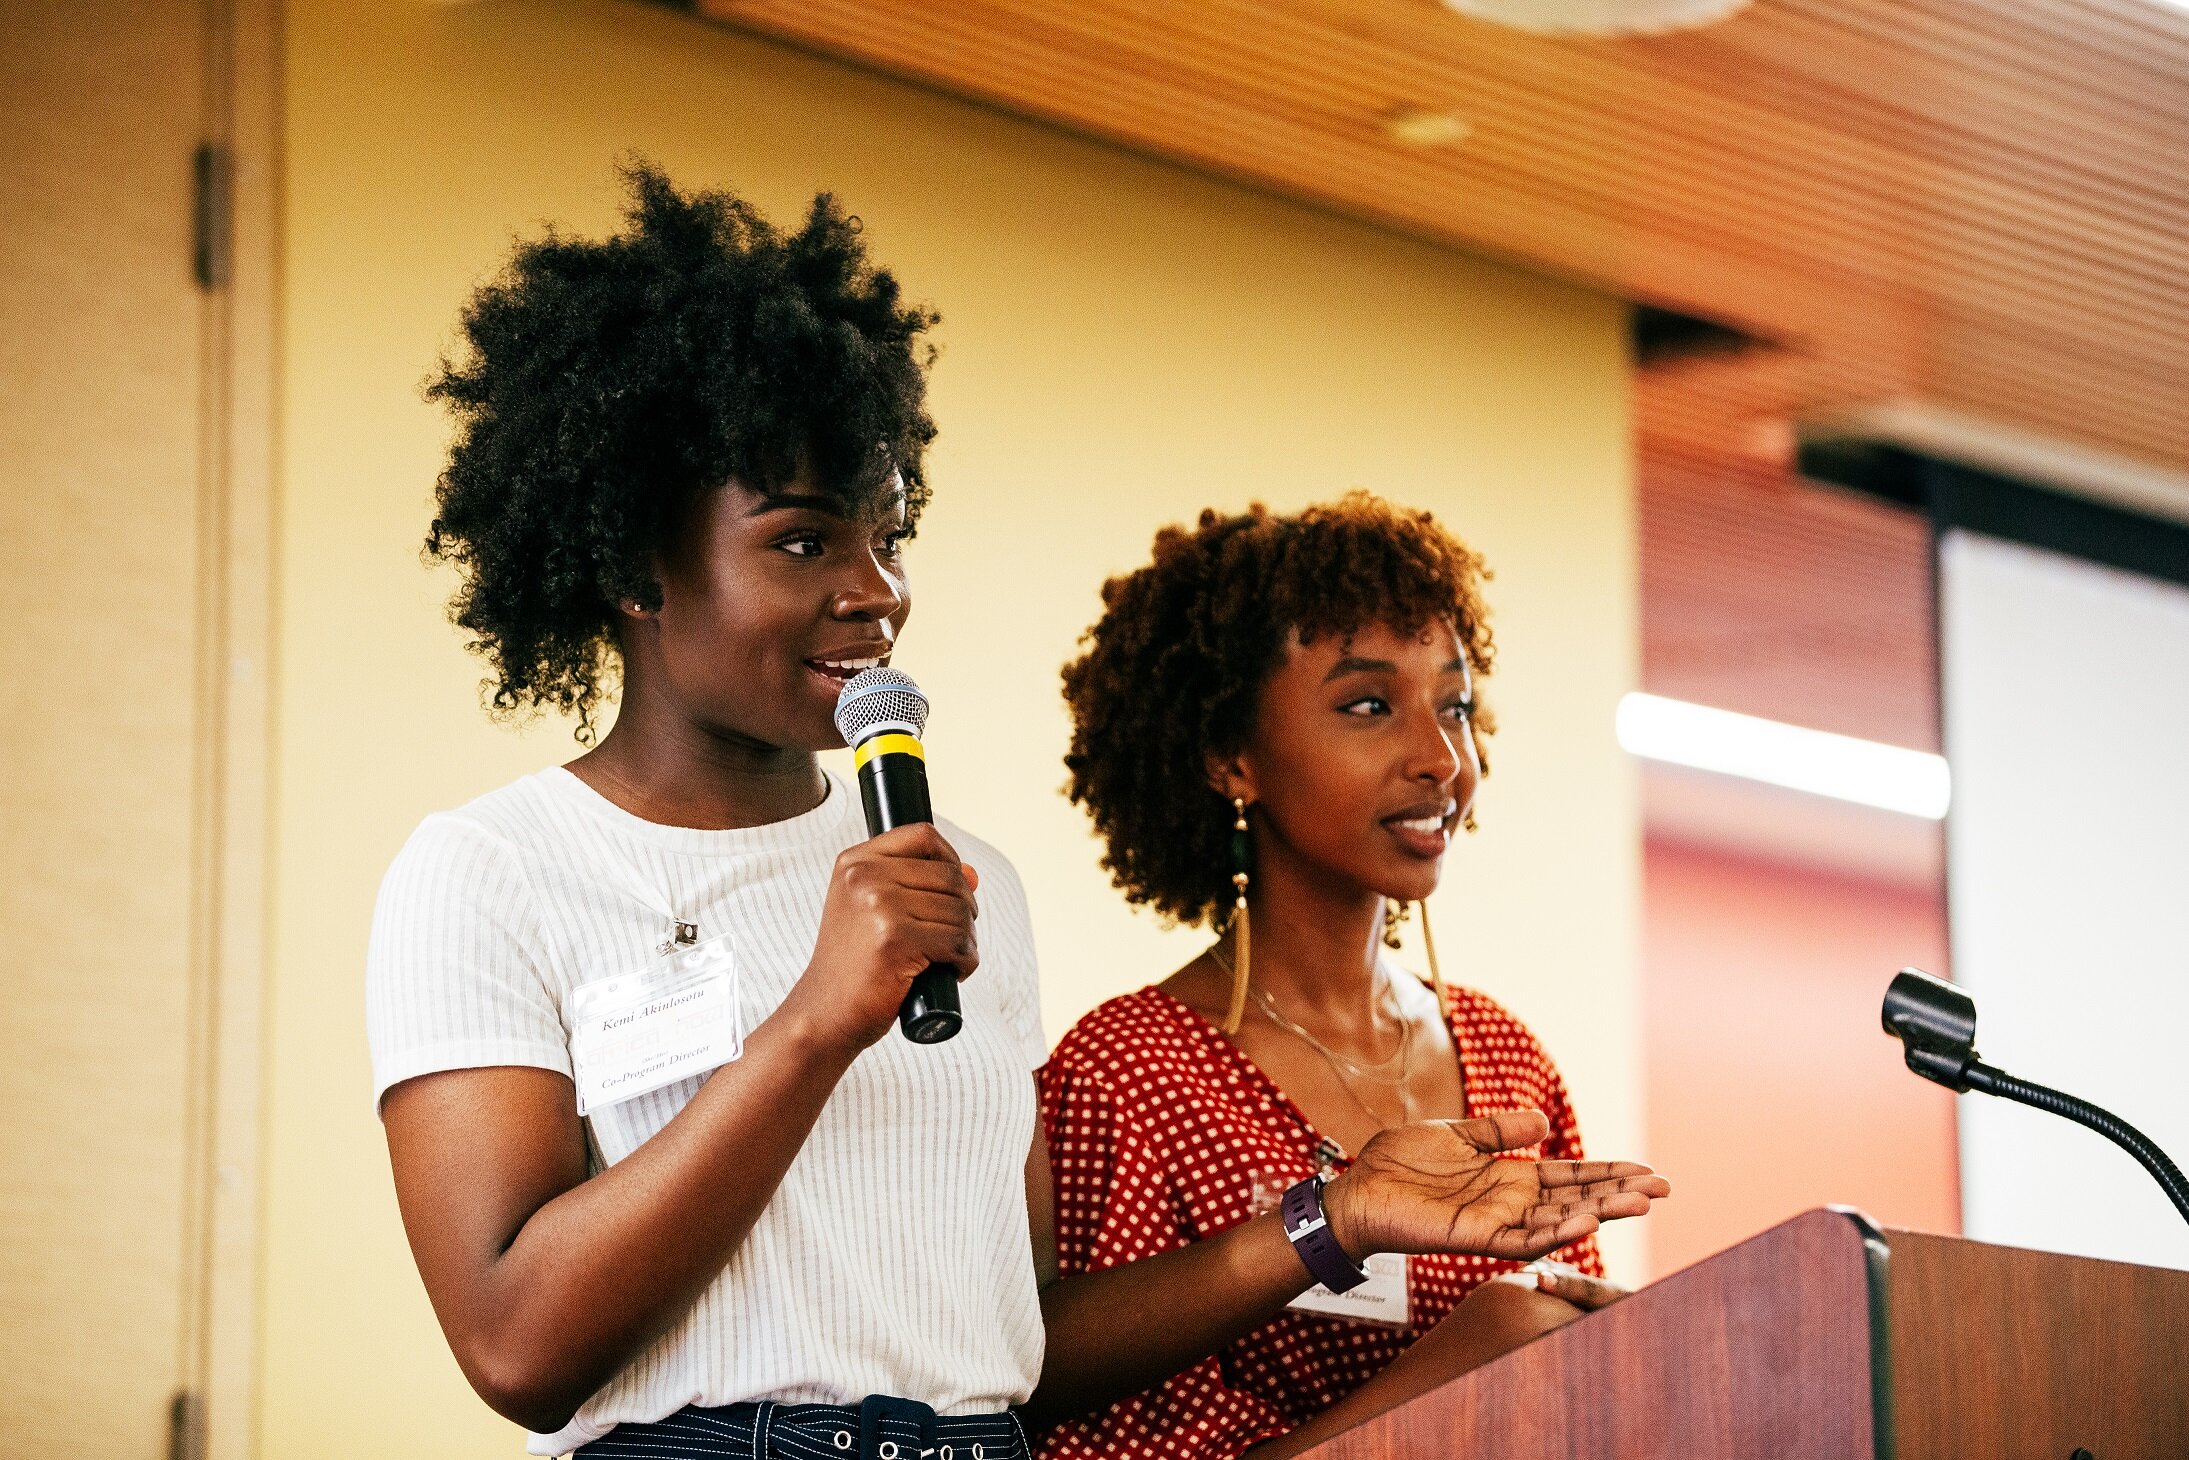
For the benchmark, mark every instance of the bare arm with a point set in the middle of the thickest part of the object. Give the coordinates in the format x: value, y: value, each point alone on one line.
x: 1124, y: 1329
x: 1437, y: 1187
x: 546, y: 1283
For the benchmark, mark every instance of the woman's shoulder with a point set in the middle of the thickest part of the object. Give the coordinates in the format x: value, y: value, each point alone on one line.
x: 487, y: 839
x: 1134, y: 1038
x: 1484, y: 1017
x: 498, y: 823
x: 477, y: 860
x: 1509, y: 1066
x: 1146, y: 1061
x: 474, y: 836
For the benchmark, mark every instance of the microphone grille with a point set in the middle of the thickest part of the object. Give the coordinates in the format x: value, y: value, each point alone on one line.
x: 878, y: 698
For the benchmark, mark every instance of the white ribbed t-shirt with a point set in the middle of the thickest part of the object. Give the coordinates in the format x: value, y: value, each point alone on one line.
x: 894, y: 1257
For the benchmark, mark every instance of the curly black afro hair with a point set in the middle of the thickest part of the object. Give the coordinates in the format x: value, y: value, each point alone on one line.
x: 1173, y: 669
x: 609, y: 383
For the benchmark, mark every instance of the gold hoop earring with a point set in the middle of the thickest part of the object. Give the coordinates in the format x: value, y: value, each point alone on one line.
x: 1240, y: 857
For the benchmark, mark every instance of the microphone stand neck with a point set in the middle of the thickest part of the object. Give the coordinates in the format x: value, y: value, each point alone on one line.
x: 1974, y: 1074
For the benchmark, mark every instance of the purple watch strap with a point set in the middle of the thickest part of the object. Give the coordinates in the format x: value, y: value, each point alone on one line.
x: 1309, y: 1232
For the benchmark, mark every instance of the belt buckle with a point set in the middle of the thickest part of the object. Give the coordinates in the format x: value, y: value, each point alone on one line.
x: 877, y: 1407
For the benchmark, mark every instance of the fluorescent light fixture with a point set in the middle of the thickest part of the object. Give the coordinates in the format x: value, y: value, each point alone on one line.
x: 1866, y: 772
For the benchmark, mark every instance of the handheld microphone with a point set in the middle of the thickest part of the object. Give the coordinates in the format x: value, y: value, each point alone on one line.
x: 881, y: 713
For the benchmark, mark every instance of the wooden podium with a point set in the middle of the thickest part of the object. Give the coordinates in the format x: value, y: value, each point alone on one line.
x: 1827, y: 1338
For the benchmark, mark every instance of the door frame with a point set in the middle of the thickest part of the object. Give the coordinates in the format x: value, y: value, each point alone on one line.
x: 216, y: 1415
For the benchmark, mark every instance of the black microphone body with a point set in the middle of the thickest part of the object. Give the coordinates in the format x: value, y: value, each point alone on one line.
x: 893, y: 789
x: 881, y: 713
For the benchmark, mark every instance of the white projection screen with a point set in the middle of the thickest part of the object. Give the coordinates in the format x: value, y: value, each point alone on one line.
x: 2065, y: 689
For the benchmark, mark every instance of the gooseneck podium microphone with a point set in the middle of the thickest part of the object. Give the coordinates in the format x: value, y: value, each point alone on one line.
x: 881, y: 713
x: 1937, y: 1024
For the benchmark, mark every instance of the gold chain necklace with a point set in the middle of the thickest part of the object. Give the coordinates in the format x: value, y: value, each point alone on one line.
x: 1345, y: 1068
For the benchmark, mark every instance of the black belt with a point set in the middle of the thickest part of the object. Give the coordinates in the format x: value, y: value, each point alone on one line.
x: 882, y: 1428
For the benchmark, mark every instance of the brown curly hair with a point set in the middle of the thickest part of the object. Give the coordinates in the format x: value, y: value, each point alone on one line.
x: 1173, y: 668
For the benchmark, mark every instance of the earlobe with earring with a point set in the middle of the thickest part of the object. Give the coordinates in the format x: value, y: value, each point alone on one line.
x: 1394, y: 913
x: 1241, y: 855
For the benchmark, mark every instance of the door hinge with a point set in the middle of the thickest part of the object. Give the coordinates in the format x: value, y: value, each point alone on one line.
x: 214, y: 206
x: 185, y: 1427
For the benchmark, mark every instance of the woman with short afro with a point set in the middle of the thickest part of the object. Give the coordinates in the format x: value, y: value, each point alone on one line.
x: 673, y: 1182
x: 1276, y: 733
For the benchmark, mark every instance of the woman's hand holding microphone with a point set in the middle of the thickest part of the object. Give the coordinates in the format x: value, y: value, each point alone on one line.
x: 897, y: 903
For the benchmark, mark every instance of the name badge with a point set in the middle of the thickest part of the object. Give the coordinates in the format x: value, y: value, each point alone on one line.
x: 632, y: 1034
x: 1382, y: 1299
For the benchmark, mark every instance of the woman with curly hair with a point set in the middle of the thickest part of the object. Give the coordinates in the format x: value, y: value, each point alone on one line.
x: 672, y: 1186
x: 1276, y: 732
x: 686, y: 462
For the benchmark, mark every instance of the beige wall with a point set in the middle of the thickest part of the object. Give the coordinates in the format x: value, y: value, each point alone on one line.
x: 1123, y: 342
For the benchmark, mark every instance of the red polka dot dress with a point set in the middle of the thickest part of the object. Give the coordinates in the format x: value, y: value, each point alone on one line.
x: 1161, y: 1132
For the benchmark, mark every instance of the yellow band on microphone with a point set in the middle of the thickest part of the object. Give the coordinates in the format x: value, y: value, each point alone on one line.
x: 895, y: 744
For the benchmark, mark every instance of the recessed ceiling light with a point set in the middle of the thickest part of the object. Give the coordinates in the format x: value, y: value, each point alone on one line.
x: 1598, y: 17
x: 1417, y: 127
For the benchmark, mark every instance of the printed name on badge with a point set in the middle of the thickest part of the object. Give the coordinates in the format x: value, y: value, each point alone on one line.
x: 1382, y: 1299
x: 633, y: 1034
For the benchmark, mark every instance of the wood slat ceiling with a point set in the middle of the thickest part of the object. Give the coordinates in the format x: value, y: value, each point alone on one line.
x: 1776, y: 598
x: 1982, y: 205
x: 1979, y: 204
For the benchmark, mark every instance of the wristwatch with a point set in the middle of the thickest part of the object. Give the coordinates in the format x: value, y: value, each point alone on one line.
x: 1307, y: 1228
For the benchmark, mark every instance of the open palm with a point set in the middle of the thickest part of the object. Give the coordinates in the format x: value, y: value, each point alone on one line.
x: 1442, y: 1186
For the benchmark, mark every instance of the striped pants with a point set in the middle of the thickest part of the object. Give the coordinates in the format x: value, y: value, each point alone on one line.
x: 883, y: 1428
